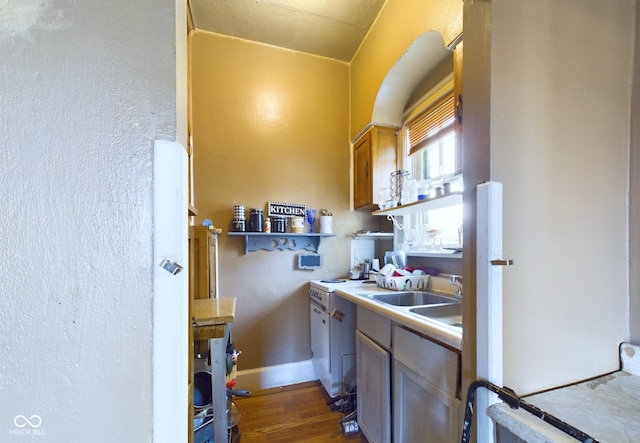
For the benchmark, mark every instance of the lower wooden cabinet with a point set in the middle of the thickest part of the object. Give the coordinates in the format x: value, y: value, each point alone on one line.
x: 408, y: 384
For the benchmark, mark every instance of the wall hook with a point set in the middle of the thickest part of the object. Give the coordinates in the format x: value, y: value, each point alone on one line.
x: 395, y: 222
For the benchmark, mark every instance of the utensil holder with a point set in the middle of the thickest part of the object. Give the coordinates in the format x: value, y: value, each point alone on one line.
x: 396, y: 184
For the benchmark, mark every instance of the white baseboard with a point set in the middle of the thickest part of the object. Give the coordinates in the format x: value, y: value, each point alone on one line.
x: 276, y: 376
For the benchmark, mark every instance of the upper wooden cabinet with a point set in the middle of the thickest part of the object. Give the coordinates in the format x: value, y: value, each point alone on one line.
x: 374, y: 158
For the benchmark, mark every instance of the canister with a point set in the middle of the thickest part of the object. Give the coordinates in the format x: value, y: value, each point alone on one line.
x: 239, y: 225
x: 326, y: 224
x: 255, y: 220
x: 297, y: 225
x: 278, y: 224
x: 238, y: 212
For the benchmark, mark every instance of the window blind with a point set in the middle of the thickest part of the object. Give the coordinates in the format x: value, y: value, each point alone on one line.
x: 434, y: 123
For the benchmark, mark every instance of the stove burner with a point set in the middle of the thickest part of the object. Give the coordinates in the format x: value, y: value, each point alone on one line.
x: 333, y: 280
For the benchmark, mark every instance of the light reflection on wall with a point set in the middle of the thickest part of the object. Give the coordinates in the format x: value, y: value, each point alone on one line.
x: 268, y: 106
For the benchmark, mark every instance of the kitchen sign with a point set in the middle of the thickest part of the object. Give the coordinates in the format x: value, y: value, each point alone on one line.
x: 286, y: 209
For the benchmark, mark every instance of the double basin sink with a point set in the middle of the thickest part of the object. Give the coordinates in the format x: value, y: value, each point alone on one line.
x: 445, y: 309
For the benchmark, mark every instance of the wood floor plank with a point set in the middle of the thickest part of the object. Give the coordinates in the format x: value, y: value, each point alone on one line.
x: 296, y: 414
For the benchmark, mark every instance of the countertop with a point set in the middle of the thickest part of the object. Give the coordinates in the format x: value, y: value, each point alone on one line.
x: 210, y: 316
x: 213, y: 311
x: 448, y: 335
x: 606, y: 408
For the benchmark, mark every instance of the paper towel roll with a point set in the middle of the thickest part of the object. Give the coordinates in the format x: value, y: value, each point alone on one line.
x: 326, y: 224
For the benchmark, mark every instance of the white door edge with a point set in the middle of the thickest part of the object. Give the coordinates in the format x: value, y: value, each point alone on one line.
x: 488, y: 302
x: 170, y: 293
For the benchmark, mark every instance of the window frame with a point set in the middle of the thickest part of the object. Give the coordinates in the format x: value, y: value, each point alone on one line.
x: 419, y: 220
x: 433, y: 119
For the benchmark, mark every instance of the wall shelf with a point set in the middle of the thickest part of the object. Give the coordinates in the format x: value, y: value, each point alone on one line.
x: 443, y: 201
x: 271, y: 241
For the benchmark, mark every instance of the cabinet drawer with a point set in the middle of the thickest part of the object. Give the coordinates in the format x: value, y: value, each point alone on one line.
x: 438, y: 364
x: 375, y: 326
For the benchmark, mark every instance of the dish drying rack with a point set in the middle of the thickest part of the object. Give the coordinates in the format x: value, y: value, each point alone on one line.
x: 347, y: 401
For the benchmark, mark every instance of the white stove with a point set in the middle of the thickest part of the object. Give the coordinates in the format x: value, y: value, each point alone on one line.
x: 333, y: 328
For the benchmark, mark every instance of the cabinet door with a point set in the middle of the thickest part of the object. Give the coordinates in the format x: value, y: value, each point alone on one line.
x: 212, y: 245
x: 203, y: 272
x: 362, y: 183
x: 373, y: 370
x: 422, y: 412
x: 203, y: 263
x: 374, y: 158
x: 426, y: 385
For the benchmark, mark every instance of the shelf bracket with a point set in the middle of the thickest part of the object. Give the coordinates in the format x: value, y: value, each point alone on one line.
x: 282, y: 242
x: 395, y: 222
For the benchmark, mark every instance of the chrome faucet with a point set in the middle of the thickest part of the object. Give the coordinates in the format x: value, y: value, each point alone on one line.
x: 456, y: 280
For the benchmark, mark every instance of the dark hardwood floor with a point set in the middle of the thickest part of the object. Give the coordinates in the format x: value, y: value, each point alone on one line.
x: 291, y: 414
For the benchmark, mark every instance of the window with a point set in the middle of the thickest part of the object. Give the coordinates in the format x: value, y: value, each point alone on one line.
x: 434, y: 157
x: 433, y: 149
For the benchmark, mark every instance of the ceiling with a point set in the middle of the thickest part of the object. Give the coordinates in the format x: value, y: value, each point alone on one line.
x: 328, y: 28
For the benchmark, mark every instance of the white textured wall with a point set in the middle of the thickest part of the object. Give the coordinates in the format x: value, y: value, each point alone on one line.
x: 86, y: 88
